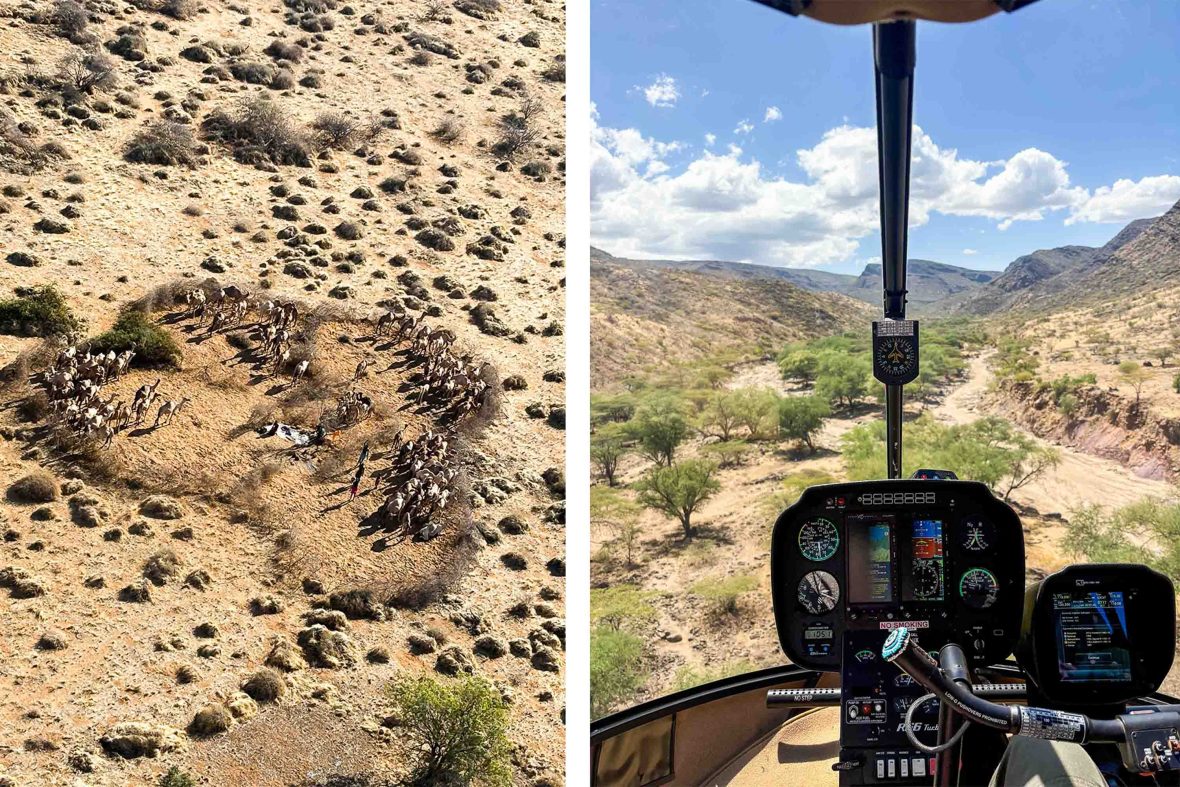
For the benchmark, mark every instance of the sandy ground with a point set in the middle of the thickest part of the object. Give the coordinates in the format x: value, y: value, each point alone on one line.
x: 136, y: 226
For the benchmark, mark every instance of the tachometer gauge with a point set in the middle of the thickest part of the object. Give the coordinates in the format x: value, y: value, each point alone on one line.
x: 818, y: 592
x: 977, y: 535
x: 927, y: 579
x: 978, y: 588
x: 818, y: 539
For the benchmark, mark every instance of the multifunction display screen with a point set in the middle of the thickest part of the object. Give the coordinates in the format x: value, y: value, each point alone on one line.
x: 870, y: 559
x: 927, y: 581
x: 1092, y: 640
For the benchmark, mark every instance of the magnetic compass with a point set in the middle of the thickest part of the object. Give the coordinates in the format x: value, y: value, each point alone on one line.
x: 895, y: 351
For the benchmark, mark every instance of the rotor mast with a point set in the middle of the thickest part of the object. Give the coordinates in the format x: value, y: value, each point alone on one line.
x: 894, y: 55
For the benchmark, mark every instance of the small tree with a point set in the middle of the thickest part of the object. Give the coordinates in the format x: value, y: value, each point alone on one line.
x: 801, y: 417
x: 679, y: 490
x: 621, y: 514
x: 756, y: 409
x: 1133, y: 375
x: 621, y: 606
x: 660, y: 426
x: 842, y: 379
x: 799, y: 365
x: 454, y: 731
x: 83, y: 72
x: 721, y: 417
x: 607, y: 447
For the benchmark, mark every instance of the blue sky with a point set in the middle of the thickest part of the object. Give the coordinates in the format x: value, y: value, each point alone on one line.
x: 726, y: 130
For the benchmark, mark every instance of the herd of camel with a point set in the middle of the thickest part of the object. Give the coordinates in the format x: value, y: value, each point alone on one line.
x: 419, y: 478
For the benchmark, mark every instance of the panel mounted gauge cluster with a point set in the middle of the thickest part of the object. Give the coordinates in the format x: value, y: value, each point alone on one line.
x: 944, y: 558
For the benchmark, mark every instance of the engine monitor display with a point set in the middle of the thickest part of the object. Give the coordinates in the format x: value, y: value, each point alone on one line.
x: 927, y: 572
x: 870, y: 559
x: 1092, y: 636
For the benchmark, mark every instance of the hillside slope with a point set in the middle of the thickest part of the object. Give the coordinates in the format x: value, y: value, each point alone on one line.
x: 928, y: 281
x: 644, y: 316
x: 1036, y: 278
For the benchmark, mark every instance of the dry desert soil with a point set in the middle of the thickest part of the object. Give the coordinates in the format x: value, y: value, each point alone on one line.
x: 403, y: 154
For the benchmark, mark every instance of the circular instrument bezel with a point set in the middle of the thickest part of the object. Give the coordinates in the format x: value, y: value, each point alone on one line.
x: 832, y: 531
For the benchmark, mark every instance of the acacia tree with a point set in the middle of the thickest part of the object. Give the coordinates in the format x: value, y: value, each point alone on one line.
x: 1133, y: 375
x: 660, y: 426
x: 455, y: 731
x: 620, y: 514
x: 800, y: 417
x: 679, y: 490
x: 721, y: 415
x: 607, y: 447
x: 842, y: 379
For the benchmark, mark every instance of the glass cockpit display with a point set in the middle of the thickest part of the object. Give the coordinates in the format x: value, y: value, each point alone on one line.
x: 870, y: 559
x: 1092, y: 636
x: 927, y: 569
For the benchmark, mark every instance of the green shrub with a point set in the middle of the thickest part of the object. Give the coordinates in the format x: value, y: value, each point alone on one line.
x: 724, y: 591
x: 454, y: 731
x: 40, y: 311
x: 619, y: 606
x: 154, y: 346
x: 1176, y: 383
x: 616, y: 668
x: 176, y: 778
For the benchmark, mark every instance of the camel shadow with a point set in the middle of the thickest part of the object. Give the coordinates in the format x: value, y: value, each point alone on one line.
x: 141, y: 431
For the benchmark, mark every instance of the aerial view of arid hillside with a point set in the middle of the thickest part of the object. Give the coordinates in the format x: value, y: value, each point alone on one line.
x: 1057, y: 383
x: 281, y: 408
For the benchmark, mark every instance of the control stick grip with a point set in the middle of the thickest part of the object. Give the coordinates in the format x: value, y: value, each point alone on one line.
x: 902, y: 649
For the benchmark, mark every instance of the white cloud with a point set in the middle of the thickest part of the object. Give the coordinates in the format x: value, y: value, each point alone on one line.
x: 725, y: 206
x: 744, y: 126
x: 772, y: 114
x: 1129, y: 199
x: 710, y: 139
x: 969, y: 252
x: 662, y: 92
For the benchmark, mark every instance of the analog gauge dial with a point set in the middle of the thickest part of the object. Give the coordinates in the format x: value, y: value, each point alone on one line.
x: 818, y: 592
x: 818, y: 539
x: 896, y: 356
x: 927, y: 579
x: 977, y: 535
x: 978, y: 588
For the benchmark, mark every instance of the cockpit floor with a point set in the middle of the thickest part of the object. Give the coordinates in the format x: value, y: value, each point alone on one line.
x: 801, y: 751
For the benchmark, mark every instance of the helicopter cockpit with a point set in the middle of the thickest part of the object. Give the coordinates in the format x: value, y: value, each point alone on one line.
x: 900, y: 602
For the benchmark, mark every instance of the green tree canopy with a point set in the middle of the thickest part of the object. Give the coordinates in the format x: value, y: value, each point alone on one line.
x: 679, y: 490
x: 659, y: 426
x: 608, y: 444
x: 801, y: 417
x: 455, y: 731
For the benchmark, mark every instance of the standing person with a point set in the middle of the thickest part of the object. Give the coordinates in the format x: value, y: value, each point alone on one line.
x: 360, y: 472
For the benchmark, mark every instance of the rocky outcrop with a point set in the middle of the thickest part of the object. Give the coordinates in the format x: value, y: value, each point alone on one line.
x: 1103, y: 423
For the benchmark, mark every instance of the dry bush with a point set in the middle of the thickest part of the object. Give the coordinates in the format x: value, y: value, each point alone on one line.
x: 161, y: 566
x: 71, y: 19
x: 19, y: 152
x: 211, y: 720
x: 450, y: 130
x: 338, y: 131
x: 480, y: 9
x: 556, y: 71
x: 421, y: 58
x: 284, y: 50
x: 180, y: 9
x: 265, y: 685
x: 433, y: 11
x: 519, y: 129
x: 293, y: 556
x: 216, y: 376
x: 259, y: 131
x: 493, y: 403
x: 81, y: 72
x: 37, y: 487
x: 164, y: 143
x: 167, y: 296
